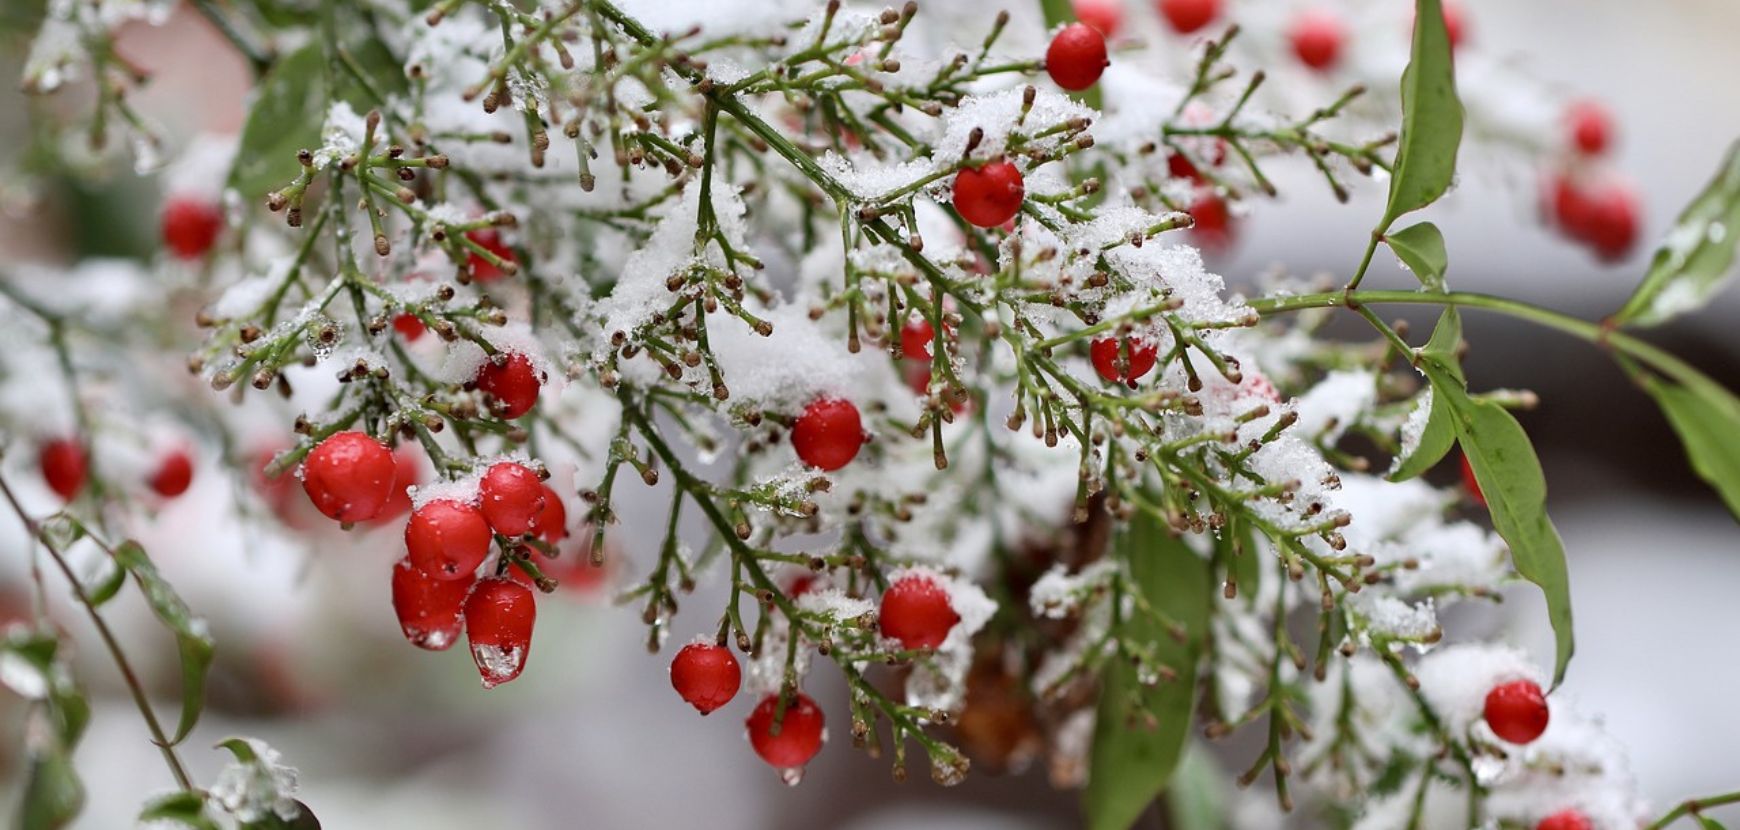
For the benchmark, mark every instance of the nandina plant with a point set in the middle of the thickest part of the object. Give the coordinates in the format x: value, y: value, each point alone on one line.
x: 925, y: 337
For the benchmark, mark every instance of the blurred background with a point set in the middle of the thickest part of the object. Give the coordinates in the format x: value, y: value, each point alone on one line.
x: 387, y: 737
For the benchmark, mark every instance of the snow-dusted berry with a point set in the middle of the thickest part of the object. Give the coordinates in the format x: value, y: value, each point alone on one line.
x: 64, y: 466
x: 1186, y: 16
x: 916, y: 611
x: 794, y: 739
x: 1591, y: 127
x: 1316, y: 36
x: 1077, y: 57
x: 482, y: 269
x: 828, y: 434
x: 916, y: 338
x: 1517, y: 711
x: 447, y: 539
x: 349, y: 476
x: 1123, y: 360
x: 1105, y: 16
x: 174, y: 474
x: 409, y: 326
x: 989, y: 195
x: 191, y: 226
x: 512, y: 383
x: 498, y: 623
x: 706, y: 675
x: 1566, y: 820
x: 512, y: 497
x: 429, y: 609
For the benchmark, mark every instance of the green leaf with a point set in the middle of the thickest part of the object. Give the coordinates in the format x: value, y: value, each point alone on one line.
x: 186, y: 809
x: 1708, y: 823
x: 53, y: 794
x: 1697, y: 258
x: 1509, y: 475
x: 105, y: 588
x: 1198, y: 792
x: 1131, y: 763
x: 304, y: 820
x: 286, y: 114
x: 1440, y: 432
x: 1057, y: 12
x: 1421, y: 248
x: 1708, y: 422
x: 192, y: 639
x: 37, y: 672
x: 1431, y: 118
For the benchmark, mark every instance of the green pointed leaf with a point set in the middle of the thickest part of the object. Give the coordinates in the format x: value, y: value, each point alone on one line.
x: 1697, y: 257
x: 285, y: 116
x: 1708, y: 823
x: 1510, y: 477
x: 192, y: 638
x: 1131, y: 763
x: 186, y: 809
x: 1421, y: 248
x: 107, y: 584
x: 53, y: 795
x: 1439, y: 434
x: 1707, y: 420
x: 1431, y: 118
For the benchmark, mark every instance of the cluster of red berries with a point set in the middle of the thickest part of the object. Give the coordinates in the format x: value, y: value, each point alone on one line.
x: 1517, y: 712
x: 1583, y: 202
x: 786, y: 734
x: 66, y: 468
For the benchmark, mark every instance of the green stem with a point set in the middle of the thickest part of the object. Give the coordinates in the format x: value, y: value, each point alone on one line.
x: 1694, y: 807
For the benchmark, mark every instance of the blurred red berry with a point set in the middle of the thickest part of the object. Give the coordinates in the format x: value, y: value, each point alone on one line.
x: 1612, y: 222
x: 916, y: 338
x: 447, y: 539
x: 916, y: 611
x: 1565, y: 820
x: 174, y: 474
x: 1316, y: 35
x: 429, y: 608
x: 1107, y: 353
x: 828, y: 434
x: 349, y: 477
x: 1187, y: 16
x: 551, y: 520
x: 512, y: 497
x: 1517, y: 711
x: 513, y: 384
x: 191, y: 226
x: 481, y: 268
x: 1077, y: 57
x: 1212, y: 230
x: 408, y: 463
x: 989, y: 195
x: 1469, y: 482
x: 64, y: 466
x: 795, y: 739
x: 1591, y: 127
x: 1105, y: 16
x: 1571, y: 207
x: 409, y: 326
x: 706, y: 675
x: 498, y: 622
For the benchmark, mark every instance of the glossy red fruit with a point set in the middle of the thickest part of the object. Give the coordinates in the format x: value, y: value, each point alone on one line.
x: 799, y: 734
x: 989, y: 195
x: 349, y: 477
x: 498, y: 621
x: 174, y: 474
x: 512, y: 497
x: 1612, y: 222
x: 1316, y: 35
x: 408, y: 463
x: 64, y: 466
x: 481, y: 268
x: 551, y: 521
x: 1591, y: 127
x: 916, y: 611
x: 447, y: 539
x: 828, y: 434
x: 191, y: 226
x: 1105, y: 16
x: 1565, y: 820
x: 513, y: 383
x: 429, y: 609
x: 916, y: 338
x: 1517, y: 711
x: 706, y: 675
x: 1077, y: 57
x: 1139, y: 357
x: 1187, y: 16
x: 409, y: 326
x: 1471, y: 484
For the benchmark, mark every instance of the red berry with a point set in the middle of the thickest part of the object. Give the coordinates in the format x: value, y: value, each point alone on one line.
x: 1591, y: 127
x: 1316, y: 36
x: 1103, y: 15
x: 447, y: 539
x: 64, y: 467
x: 349, y: 477
x: 1106, y: 352
x: 916, y: 338
x: 429, y: 608
x: 408, y: 463
x: 1571, y: 207
x: 828, y: 434
x: 1455, y: 22
x: 799, y: 733
x: 551, y: 520
x: 498, y: 622
x: 990, y: 195
x: 191, y: 226
x: 512, y: 497
x: 174, y: 474
x: 1076, y: 57
x: 1469, y: 482
x: 706, y: 675
x: 1212, y: 230
x: 1517, y: 711
x: 918, y: 380
x: 1565, y: 820
x: 1612, y: 222
x: 916, y: 611
x: 1187, y: 16
x: 409, y: 326
x: 513, y: 383
x: 481, y: 268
